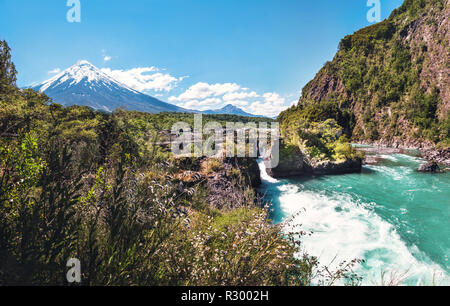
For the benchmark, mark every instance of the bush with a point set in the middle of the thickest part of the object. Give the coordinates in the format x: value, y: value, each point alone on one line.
x: 212, y: 165
x: 343, y: 150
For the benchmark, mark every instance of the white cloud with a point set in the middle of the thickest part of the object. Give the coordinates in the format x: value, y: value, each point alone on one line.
x: 271, y: 106
x: 145, y: 79
x: 293, y: 102
x: 55, y: 71
x: 206, y: 104
x: 204, y: 90
x: 233, y: 96
x: 106, y: 57
x: 238, y: 103
x: 274, y: 98
x: 203, y: 96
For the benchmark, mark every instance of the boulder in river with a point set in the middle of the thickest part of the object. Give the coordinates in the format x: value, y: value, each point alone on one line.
x: 430, y: 167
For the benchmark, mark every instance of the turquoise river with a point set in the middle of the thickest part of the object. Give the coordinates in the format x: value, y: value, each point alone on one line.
x: 390, y: 215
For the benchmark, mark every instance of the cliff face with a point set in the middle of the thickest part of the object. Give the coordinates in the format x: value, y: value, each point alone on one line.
x: 389, y: 82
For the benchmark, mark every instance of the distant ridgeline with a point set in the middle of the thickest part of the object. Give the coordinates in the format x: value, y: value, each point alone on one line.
x: 388, y: 82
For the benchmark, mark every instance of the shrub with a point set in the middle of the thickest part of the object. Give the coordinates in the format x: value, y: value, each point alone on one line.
x: 212, y: 165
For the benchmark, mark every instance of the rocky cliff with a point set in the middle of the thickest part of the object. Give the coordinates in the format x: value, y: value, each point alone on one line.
x: 390, y: 82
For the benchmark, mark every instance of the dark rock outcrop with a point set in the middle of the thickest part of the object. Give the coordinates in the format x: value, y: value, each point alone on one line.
x: 371, y: 160
x: 441, y: 156
x: 331, y: 167
x: 249, y: 169
x: 290, y: 162
x: 430, y: 167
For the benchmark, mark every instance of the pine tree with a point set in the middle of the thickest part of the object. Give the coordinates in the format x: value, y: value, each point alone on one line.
x: 7, y: 69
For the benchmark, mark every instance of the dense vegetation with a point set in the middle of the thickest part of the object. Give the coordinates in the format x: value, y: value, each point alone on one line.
x: 384, y: 80
x: 320, y: 141
x: 75, y: 183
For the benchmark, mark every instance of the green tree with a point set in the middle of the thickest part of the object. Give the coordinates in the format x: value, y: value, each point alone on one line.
x: 7, y: 69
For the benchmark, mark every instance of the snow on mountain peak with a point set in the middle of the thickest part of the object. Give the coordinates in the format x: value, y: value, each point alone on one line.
x: 85, y: 84
x: 82, y: 71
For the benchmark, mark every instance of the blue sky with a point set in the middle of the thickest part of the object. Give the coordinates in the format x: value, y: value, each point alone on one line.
x: 257, y: 53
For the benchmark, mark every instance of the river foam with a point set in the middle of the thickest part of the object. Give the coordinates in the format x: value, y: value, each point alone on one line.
x: 346, y: 228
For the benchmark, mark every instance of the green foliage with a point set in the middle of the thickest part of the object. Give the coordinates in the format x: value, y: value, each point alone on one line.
x: 412, y: 7
x: 213, y: 165
x: 327, y: 109
x: 21, y: 159
x: 445, y: 130
x: 235, y: 248
x: 381, y: 72
x: 323, y: 140
x: 164, y: 121
x: 425, y: 107
x: 7, y: 69
x: 37, y: 213
x: 365, y: 39
x: 344, y: 150
x: 130, y: 229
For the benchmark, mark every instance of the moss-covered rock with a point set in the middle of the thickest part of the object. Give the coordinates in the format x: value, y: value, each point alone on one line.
x: 290, y: 161
x: 294, y: 163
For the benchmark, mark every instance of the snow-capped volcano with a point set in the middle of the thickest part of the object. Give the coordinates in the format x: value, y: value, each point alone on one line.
x: 85, y: 84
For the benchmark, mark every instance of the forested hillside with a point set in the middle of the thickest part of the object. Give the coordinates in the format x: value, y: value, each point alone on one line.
x: 389, y: 82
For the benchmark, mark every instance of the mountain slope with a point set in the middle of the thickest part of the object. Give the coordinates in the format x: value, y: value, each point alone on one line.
x: 84, y: 84
x: 229, y: 110
x: 389, y: 82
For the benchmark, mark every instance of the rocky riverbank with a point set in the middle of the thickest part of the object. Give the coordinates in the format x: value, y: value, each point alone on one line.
x: 430, y: 167
x: 441, y: 156
x: 427, y: 149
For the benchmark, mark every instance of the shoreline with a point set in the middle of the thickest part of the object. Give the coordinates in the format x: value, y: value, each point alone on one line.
x: 287, y: 204
x: 426, y: 150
